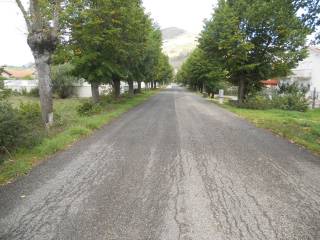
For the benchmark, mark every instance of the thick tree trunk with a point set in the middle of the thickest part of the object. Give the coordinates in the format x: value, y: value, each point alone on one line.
x: 95, y: 92
x: 116, y: 87
x: 241, y: 91
x: 42, y: 62
x: 131, y: 88
x: 154, y: 84
x: 151, y: 84
x: 139, y: 87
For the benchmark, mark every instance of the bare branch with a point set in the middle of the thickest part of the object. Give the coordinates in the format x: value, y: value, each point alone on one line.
x: 25, y: 14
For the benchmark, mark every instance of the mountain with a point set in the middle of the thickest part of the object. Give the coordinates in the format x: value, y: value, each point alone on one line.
x: 178, y: 44
x: 172, y: 32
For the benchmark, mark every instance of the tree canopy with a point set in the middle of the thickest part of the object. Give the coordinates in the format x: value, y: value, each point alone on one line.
x: 253, y: 40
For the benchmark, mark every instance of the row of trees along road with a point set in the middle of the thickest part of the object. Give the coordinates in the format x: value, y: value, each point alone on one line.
x: 247, y: 41
x: 107, y: 41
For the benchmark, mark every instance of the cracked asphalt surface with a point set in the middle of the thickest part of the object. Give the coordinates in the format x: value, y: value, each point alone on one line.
x: 176, y: 167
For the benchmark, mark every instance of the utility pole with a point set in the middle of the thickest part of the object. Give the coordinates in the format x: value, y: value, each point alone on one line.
x: 314, y: 98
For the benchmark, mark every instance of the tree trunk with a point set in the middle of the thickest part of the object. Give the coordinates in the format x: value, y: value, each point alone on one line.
x: 241, y: 91
x: 116, y: 87
x: 151, y: 84
x: 139, y: 86
x: 95, y: 92
x: 42, y: 62
x: 131, y: 88
x: 154, y: 84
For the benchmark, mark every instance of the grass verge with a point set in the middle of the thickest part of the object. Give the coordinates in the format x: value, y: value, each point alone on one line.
x: 70, y: 128
x: 302, y: 128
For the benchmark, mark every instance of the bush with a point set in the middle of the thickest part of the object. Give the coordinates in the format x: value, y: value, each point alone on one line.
x: 289, y: 97
x: 12, y: 130
x: 88, y: 109
x: 259, y: 102
x: 34, y: 92
x: 63, y: 80
x: 5, y: 93
x: 291, y: 102
x: 30, y: 112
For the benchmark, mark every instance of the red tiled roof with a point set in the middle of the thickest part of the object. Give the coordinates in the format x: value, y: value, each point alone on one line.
x: 270, y: 82
x: 20, y: 73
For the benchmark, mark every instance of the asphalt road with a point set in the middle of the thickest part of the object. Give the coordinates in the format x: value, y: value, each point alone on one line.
x: 176, y: 167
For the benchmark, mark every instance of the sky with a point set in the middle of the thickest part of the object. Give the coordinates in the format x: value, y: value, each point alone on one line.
x: 185, y: 14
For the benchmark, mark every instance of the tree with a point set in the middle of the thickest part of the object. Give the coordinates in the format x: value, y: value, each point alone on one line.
x: 201, y: 73
x: 108, y: 40
x: 42, y: 22
x: 151, y: 56
x: 164, y: 71
x: 310, y: 14
x: 254, y: 40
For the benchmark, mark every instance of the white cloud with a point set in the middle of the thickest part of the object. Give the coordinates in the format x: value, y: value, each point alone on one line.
x: 186, y: 14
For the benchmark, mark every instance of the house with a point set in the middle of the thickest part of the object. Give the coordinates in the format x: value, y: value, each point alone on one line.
x: 21, y: 73
x: 307, y: 73
x: 5, y: 74
x: 270, y: 83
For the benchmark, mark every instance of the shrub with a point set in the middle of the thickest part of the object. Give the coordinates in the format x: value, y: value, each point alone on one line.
x: 5, y: 93
x: 63, y: 80
x: 258, y: 102
x: 291, y: 102
x: 89, y: 108
x: 289, y: 97
x: 34, y: 92
x: 12, y: 130
x: 30, y: 112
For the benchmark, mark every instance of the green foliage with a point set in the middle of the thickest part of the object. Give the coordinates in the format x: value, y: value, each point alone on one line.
x: 12, y: 129
x: 114, y: 40
x: 289, y: 97
x: 59, y: 137
x: 34, y: 92
x: 302, y: 128
x: 20, y: 127
x: 254, y: 40
x: 88, y: 109
x: 63, y: 79
x: 30, y: 112
x: 5, y: 93
x: 199, y: 73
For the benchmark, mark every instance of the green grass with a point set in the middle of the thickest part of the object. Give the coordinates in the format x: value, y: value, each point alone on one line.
x: 302, y: 128
x: 69, y: 128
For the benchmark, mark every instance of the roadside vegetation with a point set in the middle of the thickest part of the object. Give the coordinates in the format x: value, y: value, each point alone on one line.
x: 246, y: 42
x: 302, y: 128
x: 103, y: 43
x: 24, y: 140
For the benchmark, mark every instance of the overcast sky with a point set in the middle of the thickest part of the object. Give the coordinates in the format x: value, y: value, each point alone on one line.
x: 186, y: 14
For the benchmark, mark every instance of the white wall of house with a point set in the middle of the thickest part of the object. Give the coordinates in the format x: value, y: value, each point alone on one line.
x: 81, y: 90
x: 20, y: 85
x: 307, y: 73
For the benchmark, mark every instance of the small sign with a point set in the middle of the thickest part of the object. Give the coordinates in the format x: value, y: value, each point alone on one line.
x: 221, y: 93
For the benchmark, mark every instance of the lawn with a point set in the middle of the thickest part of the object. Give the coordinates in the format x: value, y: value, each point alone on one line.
x: 302, y: 128
x: 69, y: 128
